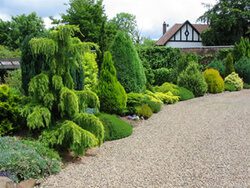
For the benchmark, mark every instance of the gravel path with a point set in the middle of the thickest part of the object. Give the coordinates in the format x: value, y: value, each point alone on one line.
x: 204, y: 142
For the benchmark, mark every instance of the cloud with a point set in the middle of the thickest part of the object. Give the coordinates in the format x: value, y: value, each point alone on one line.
x: 150, y: 14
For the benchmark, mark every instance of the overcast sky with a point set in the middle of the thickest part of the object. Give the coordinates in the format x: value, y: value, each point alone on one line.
x: 150, y: 14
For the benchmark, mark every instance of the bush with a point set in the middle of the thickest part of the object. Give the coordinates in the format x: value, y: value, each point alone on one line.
x: 229, y: 66
x: 242, y: 49
x: 246, y: 86
x: 218, y: 65
x: 111, y: 93
x: 144, y: 111
x: 214, y: 81
x: 130, y: 71
x: 6, y: 53
x: 162, y: 75
x: 230, y: 87
x: 182, y: 92
x: 114, y: 127
x: 90, y: 71
x: 166, y: 98
x: 14, y: 80
x: 10, y: 118
x: 193, y: 80
x: 138, y: 99
x: 243, y: 69
x: 233, y: 80
x: 27, y: 159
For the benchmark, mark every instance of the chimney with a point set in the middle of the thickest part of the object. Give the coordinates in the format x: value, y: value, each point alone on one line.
x: 164, y: 28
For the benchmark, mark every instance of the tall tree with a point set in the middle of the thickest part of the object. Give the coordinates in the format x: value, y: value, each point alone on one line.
x: 228, y: 19
x: 13, y: 33
x: 127, y: 23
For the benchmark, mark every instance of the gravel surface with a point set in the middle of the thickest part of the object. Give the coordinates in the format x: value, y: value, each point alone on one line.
x: 203, y: 142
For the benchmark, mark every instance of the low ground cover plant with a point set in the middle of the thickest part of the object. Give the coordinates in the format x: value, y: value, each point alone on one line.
x: 115, y: 128
x: 27, y: 159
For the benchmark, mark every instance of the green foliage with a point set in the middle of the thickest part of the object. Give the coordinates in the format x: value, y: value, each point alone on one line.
x: 229, y: 66
x: 243, y: 68
x: 228, y: 22
x: 162, y: 75
x: 167, y: 98
x: 111, y: 93
x: 218, y: 65
x: 154, y: 103
x: 57, y: 82
x: 69, y: 135
x: 192, y: 79
x: 144, y: 111
x: 27, y: 159
x: 130, y: 72
x: 159, y: 56
x: 14, y: 32
x: 230, y: 87
x: 68, y: 105
x: 181, y: 92
x: 87, y: 99
x: 39, y: 86
x: 6, y: 53
x: 10, y: 118
x: 233, y: 80
x: 148, y: 72
x: 90, y: 71
x: 246, y: 86
x: 242, y: 49
x: 44, y: 46
x: 92, y: 124
x: 215, y: 82
x: 14, y: 80
x: 114, y: 127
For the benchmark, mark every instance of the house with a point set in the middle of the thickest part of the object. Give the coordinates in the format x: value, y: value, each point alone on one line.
x: 184, y: 35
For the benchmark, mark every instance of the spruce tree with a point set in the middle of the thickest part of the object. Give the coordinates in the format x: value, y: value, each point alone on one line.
x: 111, y: 93
x: 229, y: 64
x: 130, y: 72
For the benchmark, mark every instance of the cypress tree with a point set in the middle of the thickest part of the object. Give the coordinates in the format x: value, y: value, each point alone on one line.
x: 112, y: 95
x: 229, y: 64
x: 130, y: 72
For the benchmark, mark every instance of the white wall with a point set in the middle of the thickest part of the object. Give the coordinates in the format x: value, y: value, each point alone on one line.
x: 184, y: 44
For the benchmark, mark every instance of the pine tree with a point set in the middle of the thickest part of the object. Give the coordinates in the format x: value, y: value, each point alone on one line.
x: 130, y: 72
x: 112, y: 95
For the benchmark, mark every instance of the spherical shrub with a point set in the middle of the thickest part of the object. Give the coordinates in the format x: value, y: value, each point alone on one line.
x: 144, y: 111
x: 243, y: 69
x: 233, y: 80
x: 192, y: 79
x: 214, y: 81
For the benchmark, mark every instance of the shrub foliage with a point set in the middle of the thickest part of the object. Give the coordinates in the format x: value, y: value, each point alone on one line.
x: 233, y: 82
x: 214, y: 81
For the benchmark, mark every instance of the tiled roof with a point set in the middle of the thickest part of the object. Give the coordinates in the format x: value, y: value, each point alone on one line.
x: 170, y: 33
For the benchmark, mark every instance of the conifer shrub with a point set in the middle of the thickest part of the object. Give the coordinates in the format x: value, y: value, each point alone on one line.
x: 90, y: 71
x: 246, y: 86
x: 111, y: 93
x: 92, y: 124
x: 27, y: 159
x: 162, y: 75
x: 181, y: 92
x: 154, y: 103
x: 144, y: 111
x: 229, y: 64
x: 243, y: 68
x: 233, y: 82
x: 218, y: 65
x: 167, y: 98
x: 192, y: 79
x: 54, y: 103
x: 214, y: 81
x: 115, y: 128
x: 130, y: 72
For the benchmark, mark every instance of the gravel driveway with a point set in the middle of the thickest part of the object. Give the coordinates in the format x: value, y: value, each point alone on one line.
x: 203, y: 142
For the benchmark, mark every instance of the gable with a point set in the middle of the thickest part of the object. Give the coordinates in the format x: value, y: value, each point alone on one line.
x: 187, y: 33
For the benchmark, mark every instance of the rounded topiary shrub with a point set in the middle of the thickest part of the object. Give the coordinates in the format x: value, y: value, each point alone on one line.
x: 130, y: 71
x: 233, y: 82
x: 214, y: 81
x: 111, y: 93
x: 192, y: 79
x: 243, y: 68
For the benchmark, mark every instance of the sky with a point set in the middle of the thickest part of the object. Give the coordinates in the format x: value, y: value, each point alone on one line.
x: 150, y: 14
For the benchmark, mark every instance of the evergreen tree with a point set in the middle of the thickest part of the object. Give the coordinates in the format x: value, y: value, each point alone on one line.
x: 229, y: 64
x: 112, y: 95
x: 130, y: 72
x: 55, y: 106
